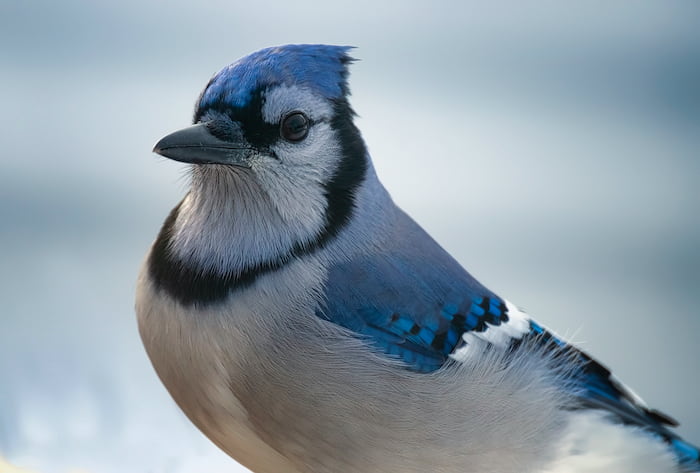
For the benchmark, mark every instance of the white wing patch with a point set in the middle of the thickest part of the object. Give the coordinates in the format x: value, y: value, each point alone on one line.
x: 518, y: 324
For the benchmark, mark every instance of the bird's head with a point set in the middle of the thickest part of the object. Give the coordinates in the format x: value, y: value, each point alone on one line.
x: 281, y: 118
x: 278, y: 165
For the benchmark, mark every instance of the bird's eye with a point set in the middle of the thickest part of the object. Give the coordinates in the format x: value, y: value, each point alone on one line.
x: 295, y: 126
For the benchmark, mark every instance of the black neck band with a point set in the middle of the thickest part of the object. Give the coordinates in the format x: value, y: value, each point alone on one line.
x: 191, y: 285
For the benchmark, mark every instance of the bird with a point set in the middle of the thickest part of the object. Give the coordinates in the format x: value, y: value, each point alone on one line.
x: 305, y: 323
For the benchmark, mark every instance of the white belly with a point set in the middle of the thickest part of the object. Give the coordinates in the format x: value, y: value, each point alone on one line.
x: 197, y: 373
x: 326, y: 403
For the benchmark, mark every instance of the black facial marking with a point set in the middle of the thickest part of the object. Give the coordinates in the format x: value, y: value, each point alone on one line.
x: 192, y: 286
x: 340, y: 189
x: 255, y: 130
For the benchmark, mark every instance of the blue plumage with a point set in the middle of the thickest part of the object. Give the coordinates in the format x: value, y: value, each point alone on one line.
x: 412, y: 308
x: 318, y: 67
x: 417, y: 310
x: 598, y: 389
x: 287, y: 273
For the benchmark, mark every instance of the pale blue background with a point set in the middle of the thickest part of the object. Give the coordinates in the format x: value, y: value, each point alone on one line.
x: 553, y: 149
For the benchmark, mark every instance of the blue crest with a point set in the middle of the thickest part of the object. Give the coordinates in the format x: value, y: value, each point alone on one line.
x: 319, y: 67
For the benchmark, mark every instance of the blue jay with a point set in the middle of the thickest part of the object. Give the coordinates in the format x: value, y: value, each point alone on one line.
x: 306, y: 324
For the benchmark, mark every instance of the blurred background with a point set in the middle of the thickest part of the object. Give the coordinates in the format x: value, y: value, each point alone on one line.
x: 552, y: 148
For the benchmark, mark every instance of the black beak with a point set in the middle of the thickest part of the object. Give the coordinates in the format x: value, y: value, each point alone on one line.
x: 197, y: 145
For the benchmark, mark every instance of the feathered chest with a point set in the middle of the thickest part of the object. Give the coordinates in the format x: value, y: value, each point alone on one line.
x: 214, y: 360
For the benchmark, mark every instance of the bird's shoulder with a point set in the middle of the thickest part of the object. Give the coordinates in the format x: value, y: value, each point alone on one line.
x: 412, y: 300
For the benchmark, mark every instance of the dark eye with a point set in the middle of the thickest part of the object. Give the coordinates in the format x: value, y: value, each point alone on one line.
x: 295, y: 126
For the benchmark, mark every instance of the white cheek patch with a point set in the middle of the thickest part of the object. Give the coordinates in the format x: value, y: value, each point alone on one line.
x: 283, y: 99
x: 320, y: 152
x: 295, y: 180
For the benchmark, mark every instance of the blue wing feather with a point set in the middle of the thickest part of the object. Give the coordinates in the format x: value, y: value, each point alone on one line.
x: 417, y: 314
x: 598, y: 389
x: 414, y: 304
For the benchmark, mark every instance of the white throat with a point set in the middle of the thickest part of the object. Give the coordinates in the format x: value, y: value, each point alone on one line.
x: 230, y: 221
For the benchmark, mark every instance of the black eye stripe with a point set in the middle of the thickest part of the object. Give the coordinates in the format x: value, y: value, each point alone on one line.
x: 257, y: 131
